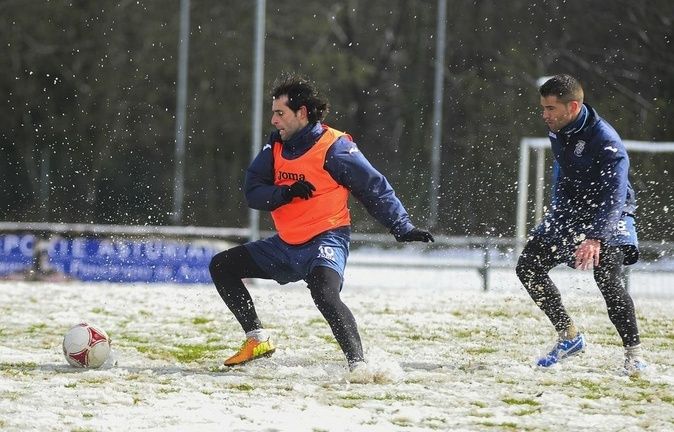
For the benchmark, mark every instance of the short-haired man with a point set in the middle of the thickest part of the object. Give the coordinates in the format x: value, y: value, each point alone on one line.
x: 303, y: 176
x: 590, y: 223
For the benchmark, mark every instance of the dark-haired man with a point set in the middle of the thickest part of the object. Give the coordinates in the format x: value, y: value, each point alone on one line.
x: 590, y: 223
x: 303, y: 176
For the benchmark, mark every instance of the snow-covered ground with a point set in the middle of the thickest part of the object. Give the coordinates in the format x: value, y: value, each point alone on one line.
x: 444, y: 355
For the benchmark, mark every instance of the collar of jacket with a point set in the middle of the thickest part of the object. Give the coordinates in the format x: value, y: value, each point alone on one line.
x: 578, y: 124
x: 304, y: 138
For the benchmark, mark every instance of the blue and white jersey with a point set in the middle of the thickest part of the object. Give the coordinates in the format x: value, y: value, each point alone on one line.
x: 591, y: 192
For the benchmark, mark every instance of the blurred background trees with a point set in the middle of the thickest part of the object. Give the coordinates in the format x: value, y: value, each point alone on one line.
x: 87, y: 125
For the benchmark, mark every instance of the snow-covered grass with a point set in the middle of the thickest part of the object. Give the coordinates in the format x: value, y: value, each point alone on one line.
x: 443, y: 356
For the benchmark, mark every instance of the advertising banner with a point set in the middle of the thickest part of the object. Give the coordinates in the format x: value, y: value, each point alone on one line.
x: 16, y: 253
x: 105, y: 259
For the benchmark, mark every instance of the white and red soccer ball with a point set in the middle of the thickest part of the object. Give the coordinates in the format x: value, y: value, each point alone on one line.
x: 86, y: 346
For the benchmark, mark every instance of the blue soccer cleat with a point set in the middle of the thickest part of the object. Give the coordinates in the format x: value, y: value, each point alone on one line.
x: 562, y: 350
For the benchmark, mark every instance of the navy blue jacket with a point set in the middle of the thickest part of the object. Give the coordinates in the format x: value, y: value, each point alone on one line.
x: 344, y: 162
x: 591, y: 189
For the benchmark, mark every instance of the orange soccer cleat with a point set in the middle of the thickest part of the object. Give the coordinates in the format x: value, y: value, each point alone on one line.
x: 251, y: 349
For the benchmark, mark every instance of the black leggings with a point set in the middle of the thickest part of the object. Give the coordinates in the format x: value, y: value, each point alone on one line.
x: 229, y: 267
x: 538, y: 258
x: 325, y: 285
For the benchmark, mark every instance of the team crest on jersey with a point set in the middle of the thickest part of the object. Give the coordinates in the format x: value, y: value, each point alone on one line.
x: 580, y: 146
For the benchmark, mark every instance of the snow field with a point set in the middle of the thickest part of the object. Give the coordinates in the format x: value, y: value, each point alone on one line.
x: 443, y: 356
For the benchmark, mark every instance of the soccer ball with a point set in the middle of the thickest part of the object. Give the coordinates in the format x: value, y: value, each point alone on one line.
x: 86, y: 346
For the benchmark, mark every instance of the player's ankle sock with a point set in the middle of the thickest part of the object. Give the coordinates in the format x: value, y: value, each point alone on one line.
x: 569, y: 333
x: 259, y: 334
x: 633, y: 351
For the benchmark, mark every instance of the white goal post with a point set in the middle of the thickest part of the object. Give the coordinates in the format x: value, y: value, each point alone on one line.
x: 539, y: 146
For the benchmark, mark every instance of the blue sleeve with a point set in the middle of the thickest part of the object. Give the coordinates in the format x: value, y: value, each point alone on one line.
x: 614, y: 167
x: 347, y: 165
x: 556, y: 174
x: 558, y: 193
x: 260, y: 190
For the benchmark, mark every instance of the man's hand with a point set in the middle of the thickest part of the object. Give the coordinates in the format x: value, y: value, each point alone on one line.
x: 415, y: 234
x: 300, y: 189
x: 587, y: 254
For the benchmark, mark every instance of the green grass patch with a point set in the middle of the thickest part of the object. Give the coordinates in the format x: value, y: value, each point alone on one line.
x: 329, y: 339
x: 201, y: 320
x: 190, y: 353
x: 426, y: 337
x: 669, y: 398
x: 244, y: 387
x: 354, y: 396
x: 388, y: 396
x: 10, y: 396
x: 36, y: 328
x: 527, y: 411
x: 18, y: 366
x: 133, y: 377
x: 464, y: 334
x: 593, y: 390
x: 435, y: 423
x: 516, y: 401
x: 496, y: 313
x: 316, y: 322
x: 506, y: 380
x: 184, y: 353
x: 502, y: 426
x: 167, y: 390
x: 481, y: 350
x: 638, y: 382
x: 133, y: 339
